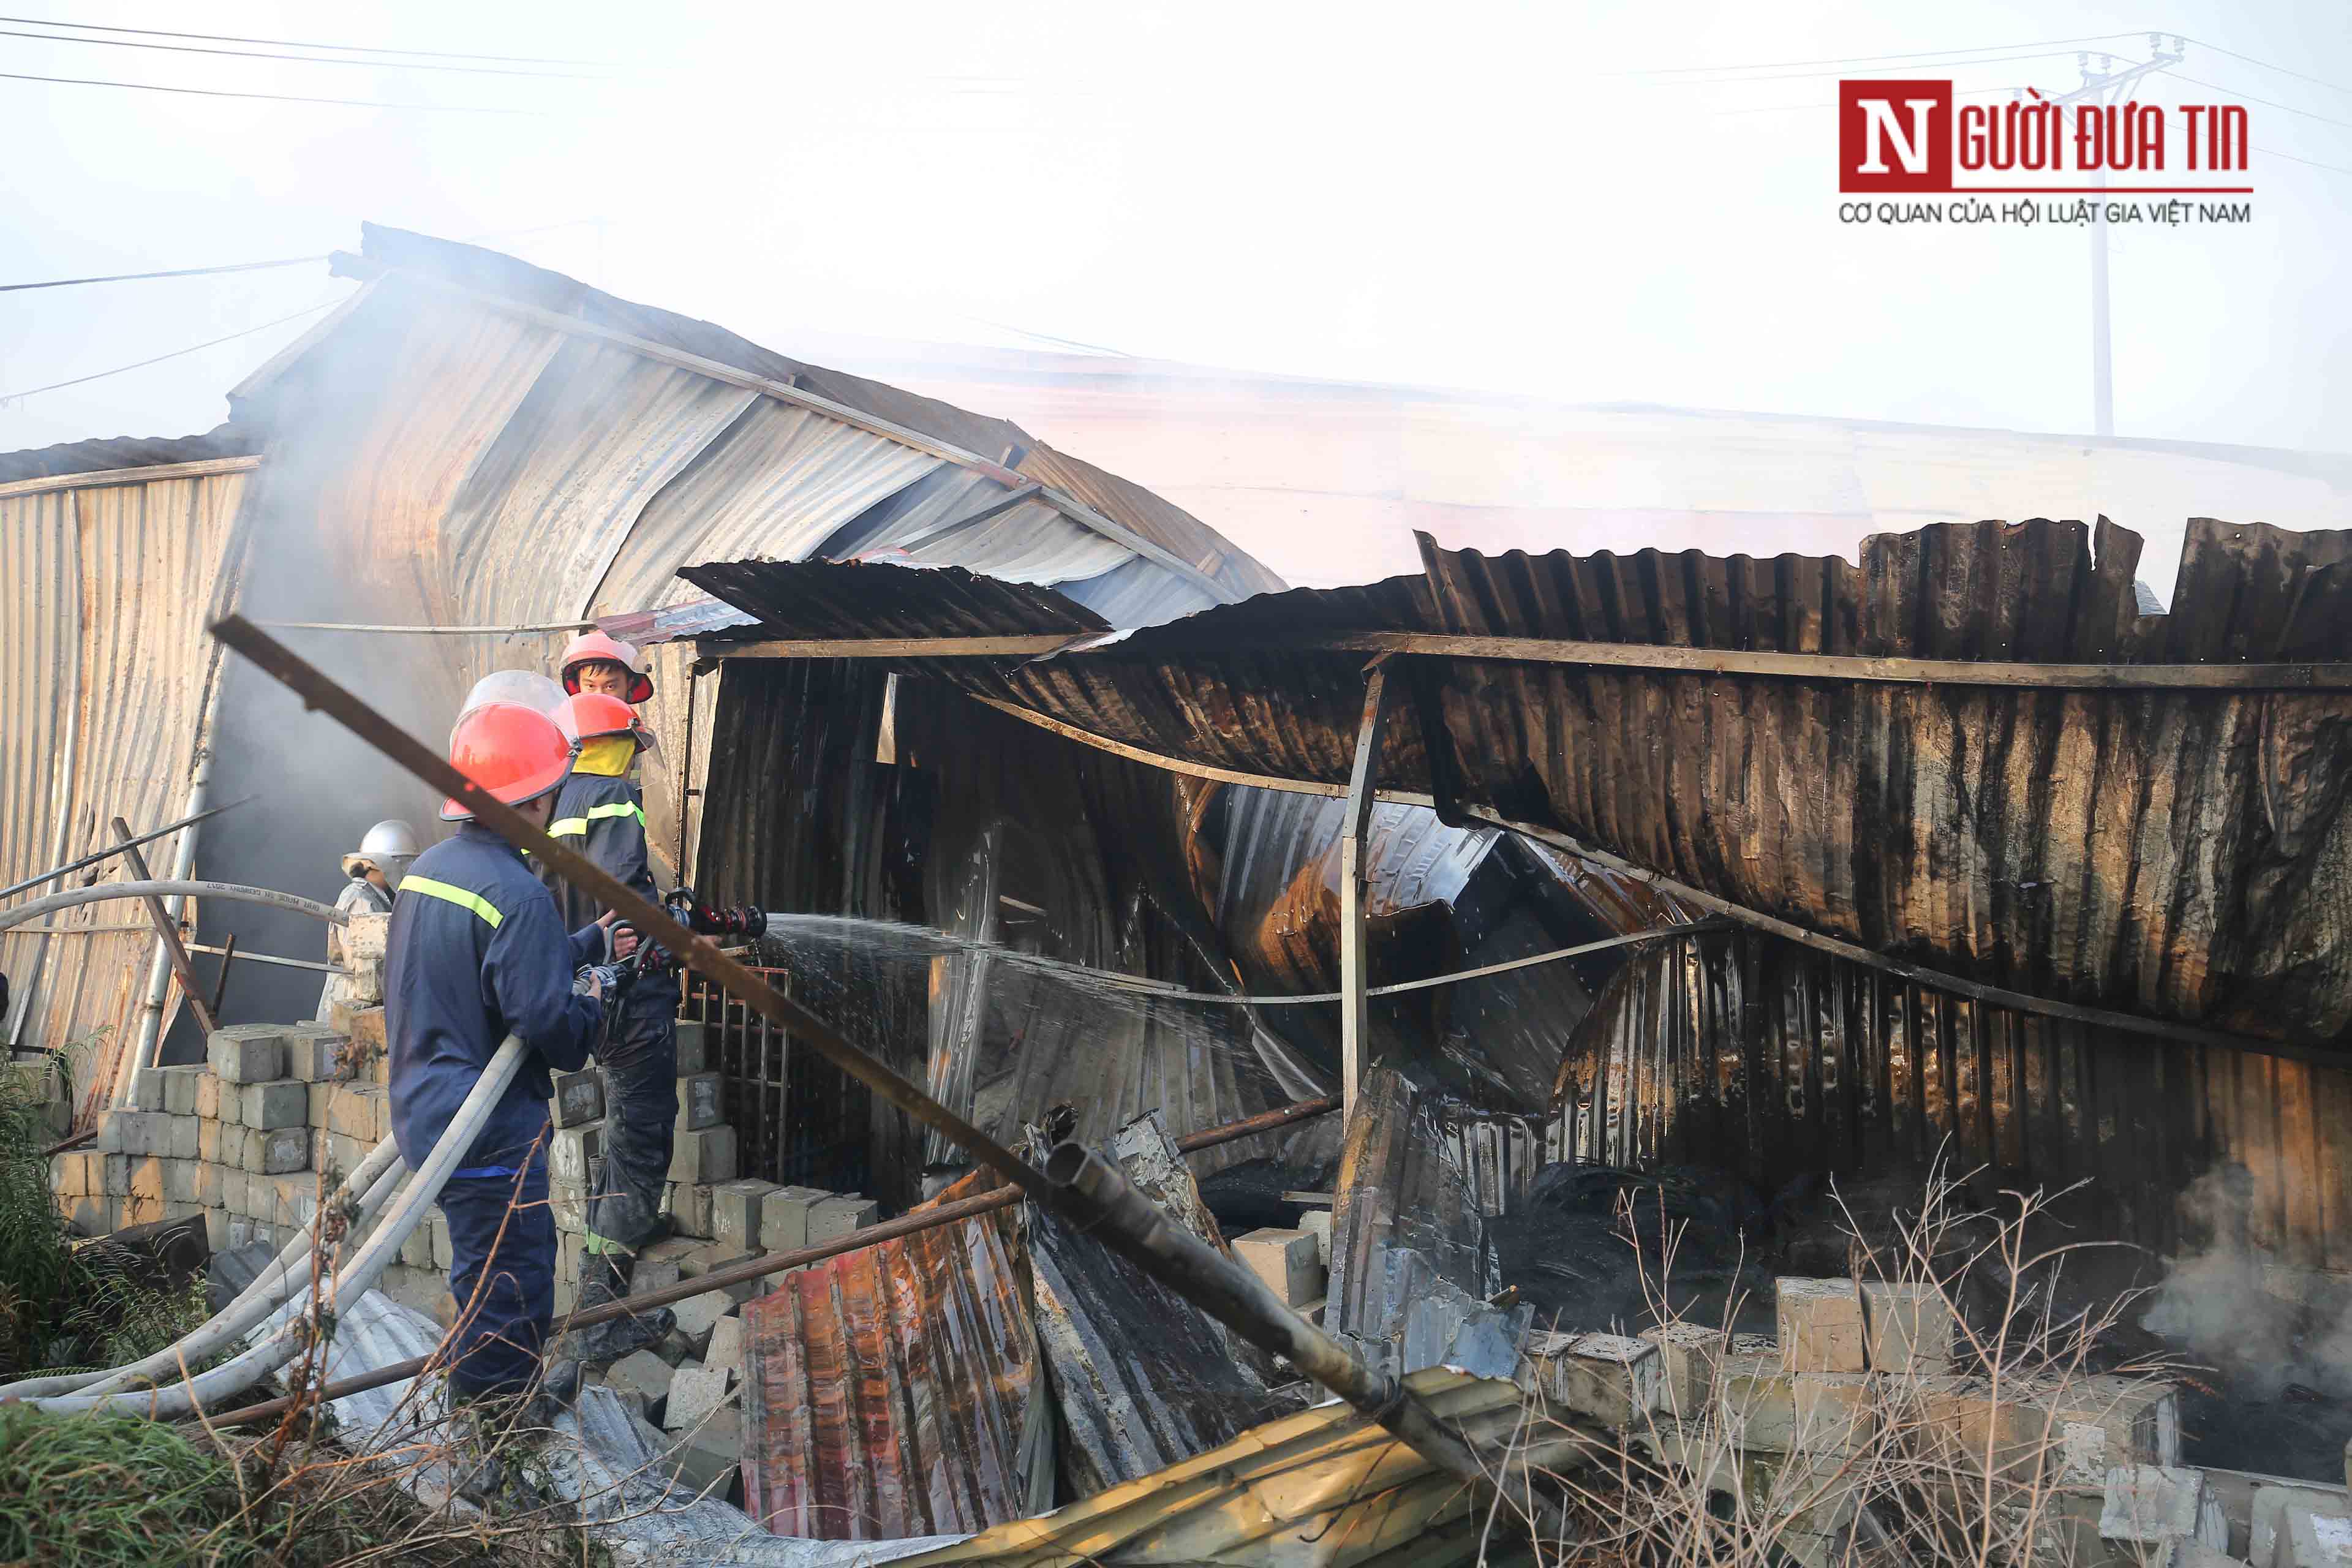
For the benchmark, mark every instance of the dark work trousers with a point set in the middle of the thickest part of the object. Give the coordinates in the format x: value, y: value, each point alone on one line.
x: 640, y: 1062
x: 504, y: 1283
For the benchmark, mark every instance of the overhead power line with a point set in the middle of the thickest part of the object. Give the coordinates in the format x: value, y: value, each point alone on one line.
x: 2314, y: 162
x: 272, y: 96
x: 1865, y: 59
x: 299, y: 43
x: 305, y: 59
x: 2330, y: 86
x: 176, y: 272
x: 2266, y: 102
x: 7, y: 398
x: 1794, y: 76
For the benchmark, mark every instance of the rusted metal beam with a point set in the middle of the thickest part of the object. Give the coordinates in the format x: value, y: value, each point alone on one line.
x: 760, y: 1268
x: 1640, y: 656
x: 904, y: 648
x: 220, y: 986
x: 167, y: 929
x: 1355, y: 1006
x: 1383, y: 1397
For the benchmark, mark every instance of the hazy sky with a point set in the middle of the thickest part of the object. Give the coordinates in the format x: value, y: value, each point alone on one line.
x: 1487, y: 196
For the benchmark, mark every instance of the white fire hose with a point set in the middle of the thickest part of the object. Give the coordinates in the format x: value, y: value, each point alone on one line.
x: 167, y: 888
x: 358, y: 1275
x: 377, y: 1178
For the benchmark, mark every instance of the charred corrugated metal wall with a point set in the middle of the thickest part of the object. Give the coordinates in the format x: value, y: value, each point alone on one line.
x: 1756, y: 1054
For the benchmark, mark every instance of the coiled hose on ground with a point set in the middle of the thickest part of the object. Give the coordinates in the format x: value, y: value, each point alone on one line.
x: 358, y: 1275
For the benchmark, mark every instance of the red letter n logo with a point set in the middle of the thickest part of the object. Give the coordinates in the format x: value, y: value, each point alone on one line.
x: 1894, y: 136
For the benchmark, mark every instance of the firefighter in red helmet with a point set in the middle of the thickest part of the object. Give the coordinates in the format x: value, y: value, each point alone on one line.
x: 598, y: 663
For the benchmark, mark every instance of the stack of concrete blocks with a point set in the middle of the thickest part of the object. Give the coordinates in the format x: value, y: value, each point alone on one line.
x: 2302, y: 1527
x: 1787, y: 1417
x: 244, y: 1139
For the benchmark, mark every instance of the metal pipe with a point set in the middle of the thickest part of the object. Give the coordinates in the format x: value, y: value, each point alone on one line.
x: 159, y: 969
x: 236, y: 892
x: 111, y: 850
x: 167, y: 931
x: 756, y: 1268
x: 62, y: 803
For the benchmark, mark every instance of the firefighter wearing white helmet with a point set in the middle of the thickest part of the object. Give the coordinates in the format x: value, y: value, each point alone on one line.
x: 372, y: 874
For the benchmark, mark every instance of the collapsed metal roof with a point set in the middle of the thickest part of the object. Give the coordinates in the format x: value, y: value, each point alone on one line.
x: 2176, y: 853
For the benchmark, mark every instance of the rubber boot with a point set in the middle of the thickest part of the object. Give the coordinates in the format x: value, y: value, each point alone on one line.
x: 482, y: 1433
x: 605, y: 1278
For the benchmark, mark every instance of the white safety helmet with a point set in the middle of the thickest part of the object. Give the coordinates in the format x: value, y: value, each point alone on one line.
x: 389, y: 847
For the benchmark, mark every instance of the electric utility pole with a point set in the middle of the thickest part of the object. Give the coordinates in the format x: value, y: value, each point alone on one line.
x: 2096, y: 88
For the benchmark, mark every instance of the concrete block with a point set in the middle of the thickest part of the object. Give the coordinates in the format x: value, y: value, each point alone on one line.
x: 416, y: 1252
x: 784, y: 1218
x: 179, y: 1088
x: 147, y: 1089
x: 320, y: 1097
x: 841, y: 1215
x: 708, y: 1458
x: 1316, y: 1222
x: 2101, y: 1424
x: 726, y: 1346
x: 2148, y: 1506
x: 572, y: 1151
x: 1756, y: 1395
x: 146, y: 1178
x: 86, y: 1214
x: 693, y: 1047
x: 294, y: 1199
x: 138, y: 1133
x: 567, y: 1258
x: 1837, y: 1412
x: 704, y: 1156
x: 333, y: 1152
x: 1285, y: 1261
x: 135, y: 1210
x: 660, y: 1266
x: 419, y: 1290
x: 246, y: 1053
x: 84, y: 1173
x: 185, y: 1138
x: 362, y: 1027
x: 697, y: 1314
x: 689, y: 1206
x: 275, y: 1153
x: 117, y: 1173
x: 1906, y: 1328
x: 281, y: 1103
x: 364, y: 937
x: 1608, y: 1378
x: 217, y: 1229
x: 314, y: 1054
x: 180, y: 1181
x: 750, y: 1289
x: 437, y: 1230
x: 208, y: 1095
x: 737, y: 1212
x: 382, y: 1111
x: 579, y: 1098
x: 698, y: 1102
x: 2271, y: 1542
x: 675, y: 1349
x: 696, y: 1392
x: 569, y: 1202
x: 642, y: 1373
x: 1688, y: 1354
x: 1820, y: 1325
x: 355, y: 1110
x: 208, y: 1139
x: 235, y: 1193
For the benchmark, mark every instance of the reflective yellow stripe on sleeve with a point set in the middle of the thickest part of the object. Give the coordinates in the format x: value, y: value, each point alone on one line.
x: 577, y: 827
x: 413, y: 883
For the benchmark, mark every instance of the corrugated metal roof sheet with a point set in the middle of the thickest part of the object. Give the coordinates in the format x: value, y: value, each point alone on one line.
x: 103, y: 600
x: 2174, y: 853
x: 1743, y: 1051
x: 888, y: 1392
x: 1317, y: 1490
x: 126, y: 452
x: 820, y: 599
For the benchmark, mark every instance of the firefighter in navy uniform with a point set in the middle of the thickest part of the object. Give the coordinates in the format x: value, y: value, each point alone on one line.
x: 599, y: 813
x: 477, y: 951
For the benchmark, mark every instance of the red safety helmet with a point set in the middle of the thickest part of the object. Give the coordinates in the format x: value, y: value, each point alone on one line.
x: 588, y: 716
x: 514, y: 752
x: 595, y: 647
